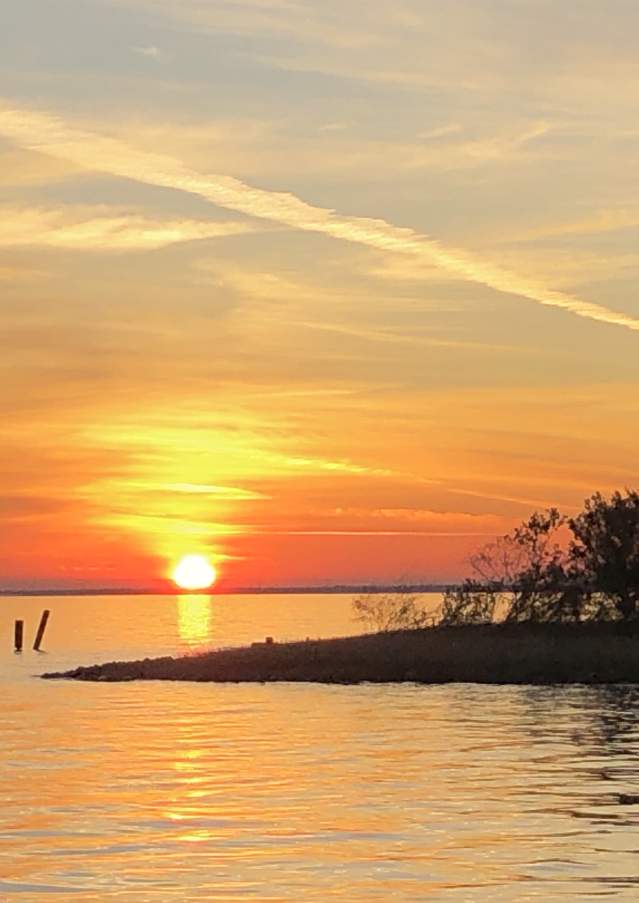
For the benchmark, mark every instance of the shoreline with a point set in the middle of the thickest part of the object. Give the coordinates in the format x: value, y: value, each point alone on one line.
x: 591, y: 653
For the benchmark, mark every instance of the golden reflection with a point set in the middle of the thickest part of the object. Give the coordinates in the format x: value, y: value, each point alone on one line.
x: 195, y: 618
x: 190, y: 765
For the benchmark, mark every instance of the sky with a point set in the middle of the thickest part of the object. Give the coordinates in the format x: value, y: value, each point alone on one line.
x: 326, y: 292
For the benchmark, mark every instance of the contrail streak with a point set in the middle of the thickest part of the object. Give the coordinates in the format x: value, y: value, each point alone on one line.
x: 45, y: 134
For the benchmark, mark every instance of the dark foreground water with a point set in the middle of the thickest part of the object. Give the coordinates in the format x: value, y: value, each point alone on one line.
x: 160, y: 792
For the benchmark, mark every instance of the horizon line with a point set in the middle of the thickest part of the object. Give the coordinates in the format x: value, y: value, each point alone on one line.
x: 335, y: 588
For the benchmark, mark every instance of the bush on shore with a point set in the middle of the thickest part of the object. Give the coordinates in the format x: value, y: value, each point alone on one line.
x: 387, y: 612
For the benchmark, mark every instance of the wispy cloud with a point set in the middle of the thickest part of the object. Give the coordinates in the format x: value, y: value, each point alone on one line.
x: 393, y: 337
x: 216, y: 493
x: 440, y: 131
x: 219, y: 492
x: 151, y: 53
x: 163, y: 491
x: 86, y: 230
x: 37, y: 131
x: 14, y: 275
x: 375, y: 533
x: 595, y: 223
x: 19, y: 168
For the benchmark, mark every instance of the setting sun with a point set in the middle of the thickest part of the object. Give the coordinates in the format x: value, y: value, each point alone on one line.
x: 194, y: 572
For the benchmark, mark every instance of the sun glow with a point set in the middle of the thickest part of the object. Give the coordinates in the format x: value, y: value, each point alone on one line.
x: 194, y: 572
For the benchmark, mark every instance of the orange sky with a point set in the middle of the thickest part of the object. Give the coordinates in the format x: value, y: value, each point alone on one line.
x: 325, y: 299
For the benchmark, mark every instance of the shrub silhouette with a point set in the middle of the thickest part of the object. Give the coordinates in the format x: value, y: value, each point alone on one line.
x: 387, y: 612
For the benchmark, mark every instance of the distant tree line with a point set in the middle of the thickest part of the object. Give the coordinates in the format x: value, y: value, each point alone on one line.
x: 551, y: 568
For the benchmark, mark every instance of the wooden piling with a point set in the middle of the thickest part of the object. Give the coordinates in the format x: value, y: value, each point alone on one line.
x: 18, y: 635
x: 42, y: 626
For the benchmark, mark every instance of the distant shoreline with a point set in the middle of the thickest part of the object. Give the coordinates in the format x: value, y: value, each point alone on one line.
x: 239, y: 591
x: 589, y: 653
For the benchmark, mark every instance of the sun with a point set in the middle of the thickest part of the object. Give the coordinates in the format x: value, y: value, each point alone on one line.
x: 194, y: 572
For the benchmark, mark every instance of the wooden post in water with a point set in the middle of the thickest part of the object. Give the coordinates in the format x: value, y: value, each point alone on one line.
x: 42, y: 626
x: 18, y: 633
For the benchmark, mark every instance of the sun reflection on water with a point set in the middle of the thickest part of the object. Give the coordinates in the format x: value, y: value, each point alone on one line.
x: 195, y: 619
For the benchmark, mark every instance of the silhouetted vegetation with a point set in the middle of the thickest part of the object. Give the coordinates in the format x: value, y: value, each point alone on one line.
x: 557, y: 569
x: 550, y: 569
x: 397, y: 610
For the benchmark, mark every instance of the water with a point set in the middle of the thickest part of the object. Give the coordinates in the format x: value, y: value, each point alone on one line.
x: 179, y: 792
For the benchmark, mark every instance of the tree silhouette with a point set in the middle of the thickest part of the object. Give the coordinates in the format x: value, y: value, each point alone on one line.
x: 553, y: 568
x: 519, y: 577
x: 605, y: 550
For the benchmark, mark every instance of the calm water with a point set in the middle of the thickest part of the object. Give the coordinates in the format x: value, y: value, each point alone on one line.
x: 160, y: 792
